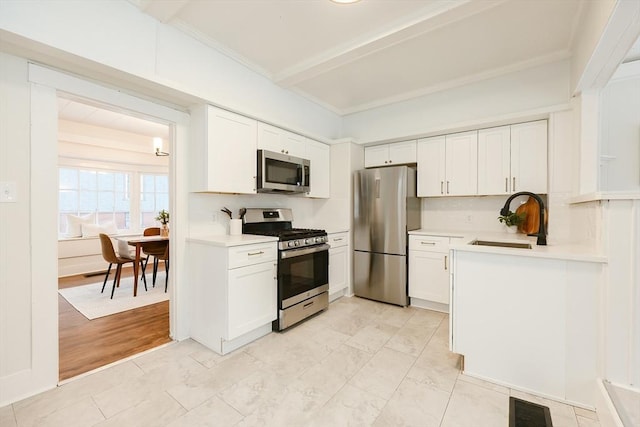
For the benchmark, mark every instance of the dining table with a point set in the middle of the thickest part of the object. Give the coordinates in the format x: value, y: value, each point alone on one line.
x: 139, y: 242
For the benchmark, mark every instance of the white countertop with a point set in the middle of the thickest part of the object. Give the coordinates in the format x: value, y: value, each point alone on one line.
x: 226, y: 240
x: 565, y: 251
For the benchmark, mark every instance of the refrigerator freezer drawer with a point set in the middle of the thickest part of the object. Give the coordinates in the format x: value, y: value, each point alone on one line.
x: 380, y: 277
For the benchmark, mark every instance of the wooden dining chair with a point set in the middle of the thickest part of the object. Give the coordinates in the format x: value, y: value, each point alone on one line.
x: 165, y: 257
x: 151, y: 231
x: 159, y: 250
x: 109, y: 255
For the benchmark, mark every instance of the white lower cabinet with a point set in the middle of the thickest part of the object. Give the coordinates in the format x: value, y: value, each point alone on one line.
x: 234, y: 293
x: 252, y: 298
x: 338, y: 264
x: 429, y: 272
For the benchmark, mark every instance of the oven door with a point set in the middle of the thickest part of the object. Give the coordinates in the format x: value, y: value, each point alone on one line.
x: 302, y: 273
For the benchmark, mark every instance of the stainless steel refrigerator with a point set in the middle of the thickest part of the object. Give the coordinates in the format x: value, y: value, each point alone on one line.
x: 385, y: 207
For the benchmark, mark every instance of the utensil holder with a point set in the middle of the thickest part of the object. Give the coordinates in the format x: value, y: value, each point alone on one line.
x: 235, y: 227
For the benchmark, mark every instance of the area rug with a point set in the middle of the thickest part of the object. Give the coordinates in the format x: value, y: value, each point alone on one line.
x: 88, y: 300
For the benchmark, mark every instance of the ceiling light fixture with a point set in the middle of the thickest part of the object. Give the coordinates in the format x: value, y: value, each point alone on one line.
x: 157, y: 147
x: 345, y: 1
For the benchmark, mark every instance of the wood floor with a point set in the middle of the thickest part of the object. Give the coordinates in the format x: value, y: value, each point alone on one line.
x: 85, y: 344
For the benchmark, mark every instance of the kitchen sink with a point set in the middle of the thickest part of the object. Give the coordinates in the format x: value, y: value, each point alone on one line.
x: 501, y: 244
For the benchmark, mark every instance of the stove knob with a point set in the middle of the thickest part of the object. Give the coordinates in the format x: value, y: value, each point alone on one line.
x: 307, y: 241
x: 319, y: 240
x: 296, y: 243
x: 289, y: 244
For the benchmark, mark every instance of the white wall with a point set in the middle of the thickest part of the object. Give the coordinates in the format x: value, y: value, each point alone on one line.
x: 98, y: 30
x: 203, y: 206
x: 511, y: 96
x: 15, y: 257
x: 620, y: 300
x: 620, y: 131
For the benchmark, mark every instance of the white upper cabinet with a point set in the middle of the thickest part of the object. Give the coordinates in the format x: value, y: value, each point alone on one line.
x: 513, y: 158
x: 319, y: 155
x: 280, y: 141
x: 224, y: 153
x: 462, y: 164
x: 494, y: 160
x: 431, y: 166
x: 398, y: 153
x: 529, y: 157
x: 448, y: 165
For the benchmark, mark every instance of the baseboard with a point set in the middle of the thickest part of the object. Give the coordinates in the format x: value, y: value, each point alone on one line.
x: 606, y: 410
x: 429, y: 305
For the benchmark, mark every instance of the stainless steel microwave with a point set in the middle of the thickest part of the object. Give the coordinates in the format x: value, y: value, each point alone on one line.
x: 281, y: 173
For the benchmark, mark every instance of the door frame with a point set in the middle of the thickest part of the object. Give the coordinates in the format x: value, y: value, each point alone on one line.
x: 45, y: 85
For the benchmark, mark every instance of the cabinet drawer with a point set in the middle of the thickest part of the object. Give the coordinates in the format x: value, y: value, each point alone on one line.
x: 338, y: 239
x: 240, y: 256
x: 429, y: 243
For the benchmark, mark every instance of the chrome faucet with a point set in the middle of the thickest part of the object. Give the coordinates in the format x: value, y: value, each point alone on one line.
x: 542, y: 232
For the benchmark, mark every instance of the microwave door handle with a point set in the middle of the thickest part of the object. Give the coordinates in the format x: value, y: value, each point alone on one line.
x: 300, y: 179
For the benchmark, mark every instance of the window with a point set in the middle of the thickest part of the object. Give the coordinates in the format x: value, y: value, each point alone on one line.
x: 154, y: 196
x: 113, y: 196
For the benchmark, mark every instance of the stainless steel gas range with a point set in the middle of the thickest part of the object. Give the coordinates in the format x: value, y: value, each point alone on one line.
x: 303, y: 264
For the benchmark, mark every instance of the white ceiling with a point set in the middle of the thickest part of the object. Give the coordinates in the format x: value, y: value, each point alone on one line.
x: 82, y: 112
x: 370, y: 53
x: 363, y: 55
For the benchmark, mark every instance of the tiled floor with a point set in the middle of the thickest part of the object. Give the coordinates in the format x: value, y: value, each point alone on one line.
x: 361, y: 363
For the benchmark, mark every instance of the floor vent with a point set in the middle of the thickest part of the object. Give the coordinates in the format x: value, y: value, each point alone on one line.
x: 527, y: 414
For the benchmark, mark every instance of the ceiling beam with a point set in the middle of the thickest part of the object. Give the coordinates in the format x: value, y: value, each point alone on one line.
x: 618, y: 37
x: 430, y: 18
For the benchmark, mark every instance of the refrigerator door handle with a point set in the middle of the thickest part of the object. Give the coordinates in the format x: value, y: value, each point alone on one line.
x: 377, y: 188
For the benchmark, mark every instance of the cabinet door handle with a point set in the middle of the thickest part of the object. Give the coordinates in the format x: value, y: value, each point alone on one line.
x: 441, y: 187
x: 445, y: 262
x: 428, y: 243
x: 447, y: 187
x: 514, y: 184
x: 506, y: 185
x: 337, y: 239
x: 255, y: 253
x: 390, y: 161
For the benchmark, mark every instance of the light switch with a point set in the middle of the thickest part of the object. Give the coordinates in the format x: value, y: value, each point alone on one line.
x: 8, y: 190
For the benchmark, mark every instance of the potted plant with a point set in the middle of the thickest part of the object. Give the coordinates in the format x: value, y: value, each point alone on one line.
x: 163, y: 217
x: 512, y: 219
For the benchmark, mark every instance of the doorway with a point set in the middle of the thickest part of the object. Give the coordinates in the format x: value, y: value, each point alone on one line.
x: 110, y: 180
x: 44, y: 86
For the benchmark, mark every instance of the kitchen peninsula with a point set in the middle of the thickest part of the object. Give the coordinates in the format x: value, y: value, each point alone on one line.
x: 526, y: 317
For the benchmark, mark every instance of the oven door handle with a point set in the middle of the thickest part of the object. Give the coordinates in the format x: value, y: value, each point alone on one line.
x: 291, y: 253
